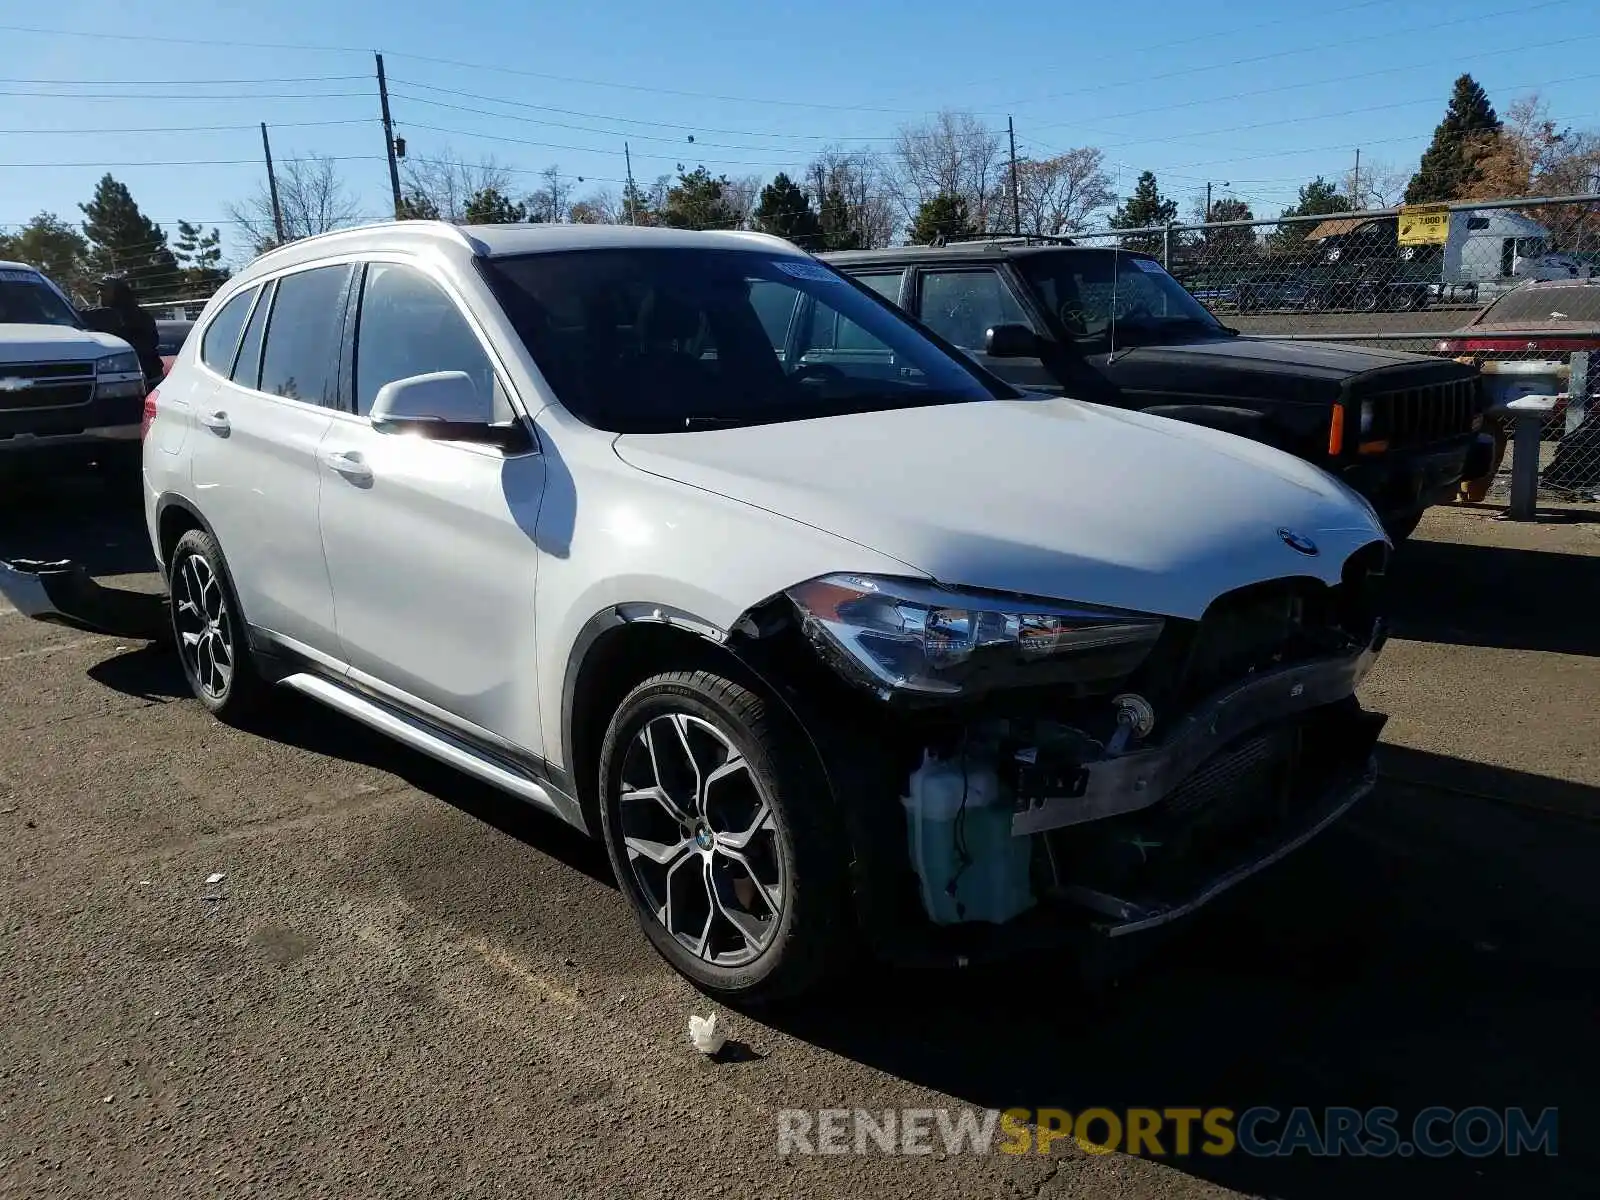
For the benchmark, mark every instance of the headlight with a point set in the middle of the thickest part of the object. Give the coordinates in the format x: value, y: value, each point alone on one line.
x: 1366, y: 416
x: 915, y: 638
x: 126, y: 363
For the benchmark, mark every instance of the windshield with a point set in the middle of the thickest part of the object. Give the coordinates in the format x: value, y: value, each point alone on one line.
x: 26, y: 299
x: 641, y: 341
x: 1089, y: 290
x: 1536, y: 306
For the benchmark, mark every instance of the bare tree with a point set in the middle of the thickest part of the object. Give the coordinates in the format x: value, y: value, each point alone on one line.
x: 1058, y: 195
x: 311, y: 195
x: 553, y: 201
x: 861, y: 179
x: 953, y: 154
x: 602, y: 207
x: 443, y: 183
x: 740, y: 195
x: 1380, y: 185
x: 1533, y: 156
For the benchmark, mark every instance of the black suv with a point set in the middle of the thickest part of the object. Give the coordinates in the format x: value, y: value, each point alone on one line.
x: 1111, y: 326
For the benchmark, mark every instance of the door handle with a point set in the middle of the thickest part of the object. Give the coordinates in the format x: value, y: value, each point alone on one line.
x: 216, y: 421
x: 348, y: 463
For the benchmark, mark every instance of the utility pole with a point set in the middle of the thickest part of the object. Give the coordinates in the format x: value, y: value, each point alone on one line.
x: 1225, y: 183
x: 272, y: 186
x: 1355, y: 183
x: 388, y: 136
x: 1016, y: 194
x: 632, y: 202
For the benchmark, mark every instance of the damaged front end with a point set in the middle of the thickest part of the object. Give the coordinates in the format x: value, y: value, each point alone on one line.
x: 63, y: 593
x: 1066, y: 767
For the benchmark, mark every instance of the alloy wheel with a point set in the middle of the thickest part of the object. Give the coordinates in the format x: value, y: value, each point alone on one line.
x: 205, y: 638
x: 702, y: 840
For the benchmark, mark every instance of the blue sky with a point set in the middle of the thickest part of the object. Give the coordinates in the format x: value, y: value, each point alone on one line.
x: 1252, y: 95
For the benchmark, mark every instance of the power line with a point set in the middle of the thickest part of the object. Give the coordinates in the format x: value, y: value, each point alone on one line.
x: 192, y: 128
x: 569, y: 112
x: 187, y: 95
x: 452, y: 62
x: 1387, y: 35
x: 182, y: 82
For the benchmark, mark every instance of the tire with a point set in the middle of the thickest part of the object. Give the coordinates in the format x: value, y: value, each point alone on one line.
x: 785, y: 881
x: 1400, y: 528
x: 207, y: 629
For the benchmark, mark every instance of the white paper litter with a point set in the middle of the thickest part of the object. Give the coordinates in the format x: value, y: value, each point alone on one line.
x: 215, y: 879
x: 704, y: 1035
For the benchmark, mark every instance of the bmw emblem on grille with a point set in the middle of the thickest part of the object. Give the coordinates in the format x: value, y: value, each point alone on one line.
x: 1297, y: 541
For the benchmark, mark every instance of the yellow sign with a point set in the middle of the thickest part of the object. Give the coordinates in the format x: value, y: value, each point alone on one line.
x: 1424, y: 224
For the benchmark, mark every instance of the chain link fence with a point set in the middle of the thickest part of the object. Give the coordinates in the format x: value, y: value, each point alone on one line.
x: 1512, y: 286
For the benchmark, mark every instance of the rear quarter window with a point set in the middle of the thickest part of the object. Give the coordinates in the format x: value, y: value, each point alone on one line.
x: 221, y: 339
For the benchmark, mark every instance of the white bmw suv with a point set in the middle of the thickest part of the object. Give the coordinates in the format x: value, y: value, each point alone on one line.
x: 834, y: 638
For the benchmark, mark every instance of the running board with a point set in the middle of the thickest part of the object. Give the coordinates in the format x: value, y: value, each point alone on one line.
x: 419, y: 737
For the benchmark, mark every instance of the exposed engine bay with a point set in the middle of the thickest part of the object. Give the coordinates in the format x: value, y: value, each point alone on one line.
x: 1142, y: 777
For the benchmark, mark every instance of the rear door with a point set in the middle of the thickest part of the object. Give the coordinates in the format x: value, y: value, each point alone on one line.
x: 430, y: 543
x: 254, y: 458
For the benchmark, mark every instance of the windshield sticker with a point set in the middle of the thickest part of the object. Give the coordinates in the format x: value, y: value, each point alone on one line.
x: 808, y: 270
x: 1150, y: 265
x: 18, y: 277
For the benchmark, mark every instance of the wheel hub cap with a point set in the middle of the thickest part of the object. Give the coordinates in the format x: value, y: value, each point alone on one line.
x: 702, y: 841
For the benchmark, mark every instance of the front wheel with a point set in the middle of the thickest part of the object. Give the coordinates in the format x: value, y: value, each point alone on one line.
x: 719, y: 828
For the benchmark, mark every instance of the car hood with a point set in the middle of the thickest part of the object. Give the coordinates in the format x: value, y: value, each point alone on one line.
x: 1046, y: 497
x: 1323, y: 360
x: 48, y: 343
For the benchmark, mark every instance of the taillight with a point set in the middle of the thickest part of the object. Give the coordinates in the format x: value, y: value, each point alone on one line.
x: 149, y: 412
x: 1336, y: 432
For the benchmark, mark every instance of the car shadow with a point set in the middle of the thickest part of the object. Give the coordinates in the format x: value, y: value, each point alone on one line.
x: 1469, y: 595
x: 1434, y: 948
x: 95, y: 517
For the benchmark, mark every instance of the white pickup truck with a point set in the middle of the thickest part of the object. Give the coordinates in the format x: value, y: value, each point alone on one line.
x: 65, y: 391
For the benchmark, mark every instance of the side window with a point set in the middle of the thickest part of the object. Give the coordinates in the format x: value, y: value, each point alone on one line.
x: 301, y: 359
x: 774, y: 305
x: 885, y: 283
x: 409, y: 326
x: 222, y: 335
x: 247, y: 368
x: 961, y: 306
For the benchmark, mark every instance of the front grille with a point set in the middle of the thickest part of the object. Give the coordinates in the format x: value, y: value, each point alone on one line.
x: 45, y: 385
x: 1247, y: 769
x: 1417, y: 416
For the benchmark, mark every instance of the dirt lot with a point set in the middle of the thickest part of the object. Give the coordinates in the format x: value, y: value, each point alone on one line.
x: 407, y: 985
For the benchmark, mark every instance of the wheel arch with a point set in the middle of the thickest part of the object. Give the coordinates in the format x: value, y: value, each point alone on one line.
x: 175, y: 516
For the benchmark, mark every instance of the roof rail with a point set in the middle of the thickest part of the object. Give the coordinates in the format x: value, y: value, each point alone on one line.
x: 445, y: 228
x: 1026, y: 239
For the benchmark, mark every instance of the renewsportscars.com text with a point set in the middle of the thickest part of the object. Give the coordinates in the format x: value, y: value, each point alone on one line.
x: 1260, y: 1132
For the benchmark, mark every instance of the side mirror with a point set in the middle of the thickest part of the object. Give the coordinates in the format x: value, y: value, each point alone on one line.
x: 1011, y: 341
x: 442, y: 404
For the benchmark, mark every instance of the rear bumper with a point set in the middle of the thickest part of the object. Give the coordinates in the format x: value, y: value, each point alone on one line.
x: 1402, y: 483
x: 62, y: 593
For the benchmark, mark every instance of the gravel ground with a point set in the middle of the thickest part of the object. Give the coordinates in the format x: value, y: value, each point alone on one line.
x: 407, y: 985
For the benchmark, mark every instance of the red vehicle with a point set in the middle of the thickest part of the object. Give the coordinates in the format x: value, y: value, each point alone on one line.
x: 1539, y: 340
x: 1524, y: 342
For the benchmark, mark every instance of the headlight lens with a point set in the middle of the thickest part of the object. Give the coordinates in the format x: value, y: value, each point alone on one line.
x: 915, y: 638
x: 125, y: 363
x: 1366, y: 416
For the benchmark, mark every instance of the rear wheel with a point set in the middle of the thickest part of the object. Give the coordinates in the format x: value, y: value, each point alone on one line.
x: 209, y: 631
x: 718, y: 826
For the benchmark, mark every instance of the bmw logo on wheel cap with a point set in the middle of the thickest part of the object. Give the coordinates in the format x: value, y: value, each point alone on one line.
x: 1297, y: 541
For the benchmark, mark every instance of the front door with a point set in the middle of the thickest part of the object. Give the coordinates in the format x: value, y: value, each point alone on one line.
x: 254, y: 463
x: 429, y: 543
x: 961, y: 305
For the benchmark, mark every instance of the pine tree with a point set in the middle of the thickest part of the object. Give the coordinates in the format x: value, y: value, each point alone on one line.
x: 1318, y: 198
x: 783, y: 209
x: 57, y: 249
x: 200, y: 255
x: 1447, y: 170
x: 487, y: 206
x: 838, y: 231
x: 123, y: 241
x: 696, y: 201
x: 1146, y: 208
x: 946, y: 216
